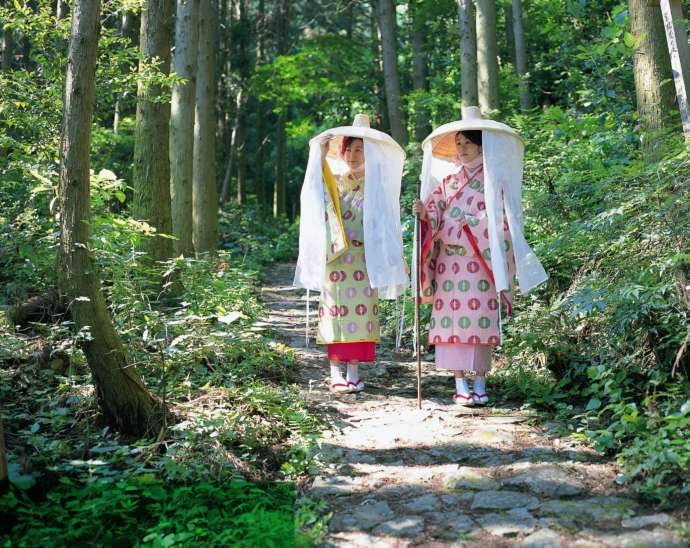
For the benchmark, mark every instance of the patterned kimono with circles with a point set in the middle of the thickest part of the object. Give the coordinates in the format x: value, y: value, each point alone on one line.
x: 456, y: 276
x: 348, y: 310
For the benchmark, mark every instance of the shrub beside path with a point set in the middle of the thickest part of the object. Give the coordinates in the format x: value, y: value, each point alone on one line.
x: 451, y: 476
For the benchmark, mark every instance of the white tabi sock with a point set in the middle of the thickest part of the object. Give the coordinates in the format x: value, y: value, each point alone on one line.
x: 461, y: 387
x: 479, y: 385
x: 336, y: 375
x: 352, y: 374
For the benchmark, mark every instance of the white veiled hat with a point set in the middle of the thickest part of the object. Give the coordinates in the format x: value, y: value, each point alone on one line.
x: 503, y: 151
x: 443, y: 137
x: 359, y: 129
x: 383, y: 160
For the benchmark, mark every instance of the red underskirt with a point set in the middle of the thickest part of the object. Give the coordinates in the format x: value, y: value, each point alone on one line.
x: 356, y: 351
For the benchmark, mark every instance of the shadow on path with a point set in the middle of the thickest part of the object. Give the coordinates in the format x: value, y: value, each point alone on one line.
x: 395, y: 475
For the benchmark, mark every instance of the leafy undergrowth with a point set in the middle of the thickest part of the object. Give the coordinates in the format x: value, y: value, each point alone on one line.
x: 226, y: 469
x: 603, y: 345
x: 144, y: 511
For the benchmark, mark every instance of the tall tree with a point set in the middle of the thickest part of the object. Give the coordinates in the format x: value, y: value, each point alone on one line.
x: 7, y: 45
x: 229, y: 163
x: 182, y: 124
x: 227, y: 99
x: 4, y: 477
x: 382, y: 121
x: 279, y: 190
x: 205, y: 195
x: 521, y: 56
x: 422, y: 127
x: 677, y: 39
x: 651, y: 66
x: 151, y: 172
x: 262, y: 112
x: 509, y: 32
x: 350, y: 19
x: 241, y: 39
x: 222, y: 41
x: 487, y: 56
x: 124, y: 401
x: 385, y: 11
x: 61, y: 9
x: 129, y: 31
x: 468, y: 53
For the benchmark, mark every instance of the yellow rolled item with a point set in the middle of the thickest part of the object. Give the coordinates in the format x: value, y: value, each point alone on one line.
x: 332, y: 188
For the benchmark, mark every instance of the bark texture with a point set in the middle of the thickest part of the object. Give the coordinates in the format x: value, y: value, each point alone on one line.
x: 205, y: 196
x: 7, y: 44
x: 124, y: 401
x: 509, y: 32
x: 377, y: 69
x: 521, y: 56
x: 422, y: 126
x: 487, y: 56
x: 677, y: 40
x: 182, y: 125
x: 262, y: 112
x: 61, y: 9
x: 129, y: 29
x: 242, y: 38
x: 279, y: 189
x: 151, y: 170
x: 468, y: 53
x: 385, y: 11
x: 651, y: 66
x: 279, y: 193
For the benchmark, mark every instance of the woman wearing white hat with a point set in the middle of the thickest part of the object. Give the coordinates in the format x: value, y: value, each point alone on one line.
x: 350, y: 245
x: 472, y: 243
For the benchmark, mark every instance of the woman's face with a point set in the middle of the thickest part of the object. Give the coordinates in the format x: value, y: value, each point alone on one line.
x: 467, y: 150
x: 354, y: 155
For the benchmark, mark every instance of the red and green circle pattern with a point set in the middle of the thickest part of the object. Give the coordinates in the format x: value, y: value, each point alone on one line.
x: 349, y: 309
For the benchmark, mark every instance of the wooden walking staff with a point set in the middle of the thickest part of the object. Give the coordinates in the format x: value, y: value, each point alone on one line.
x: 418, y: 254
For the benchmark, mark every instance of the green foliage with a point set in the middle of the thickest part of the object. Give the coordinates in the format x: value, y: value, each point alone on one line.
x: 272, y: 242
x: 311, y: 522
x: 329, y: 70
x: 580, y: 54
x: 658, y: 456
x: 193, y: 328
x: 611, y: 326
x: 113, y: 151
x: 603, y: 345
x: 143, y: 511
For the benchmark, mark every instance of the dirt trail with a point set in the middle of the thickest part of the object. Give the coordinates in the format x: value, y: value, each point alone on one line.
x: 446, y: 475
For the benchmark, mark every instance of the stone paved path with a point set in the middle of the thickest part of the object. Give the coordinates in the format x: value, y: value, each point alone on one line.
x: 449, y: 476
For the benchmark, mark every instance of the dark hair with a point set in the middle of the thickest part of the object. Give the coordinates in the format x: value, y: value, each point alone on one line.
x: 347, y: 141
x: 472, y: 135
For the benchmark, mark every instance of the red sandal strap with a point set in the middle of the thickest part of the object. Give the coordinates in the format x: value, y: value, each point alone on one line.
x: 467, y: 398
x: 335, y: 385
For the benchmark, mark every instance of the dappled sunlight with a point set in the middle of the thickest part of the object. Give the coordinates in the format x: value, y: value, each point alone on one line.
x: 396, y: 475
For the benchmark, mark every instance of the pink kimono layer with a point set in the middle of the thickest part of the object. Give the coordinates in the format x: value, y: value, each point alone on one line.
x: 456, y: 276
x: 464, y: 357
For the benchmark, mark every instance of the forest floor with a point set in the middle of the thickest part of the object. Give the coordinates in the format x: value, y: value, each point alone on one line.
x: 446, y: 475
